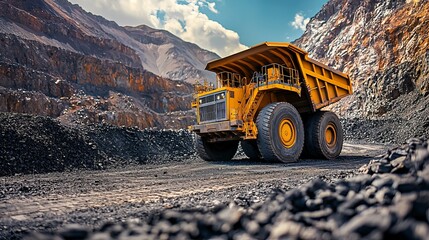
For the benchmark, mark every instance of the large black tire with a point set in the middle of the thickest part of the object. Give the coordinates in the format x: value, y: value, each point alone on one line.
x: 323, y: 135
x: 272, y: 122
x: 216, y: 151
x: 250, y: 148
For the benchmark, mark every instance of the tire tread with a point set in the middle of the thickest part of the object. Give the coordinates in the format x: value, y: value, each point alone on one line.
x: 314, y: 145
x: 266, y: 142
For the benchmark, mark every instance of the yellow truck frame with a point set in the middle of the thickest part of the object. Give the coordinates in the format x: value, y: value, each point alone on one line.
x: 269, y: 97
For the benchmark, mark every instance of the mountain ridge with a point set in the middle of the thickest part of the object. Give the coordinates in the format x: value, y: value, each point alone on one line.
x: 60, y: 61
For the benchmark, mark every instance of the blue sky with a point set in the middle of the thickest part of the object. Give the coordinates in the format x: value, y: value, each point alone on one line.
x: 258, y: 21
x: 222, y: 26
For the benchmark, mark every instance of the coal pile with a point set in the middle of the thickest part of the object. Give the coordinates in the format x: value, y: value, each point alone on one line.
x: 35, y: 144
x: 389, y: 130
x: 142, y: 146
x: 410, y: 158
x: 374, y: 205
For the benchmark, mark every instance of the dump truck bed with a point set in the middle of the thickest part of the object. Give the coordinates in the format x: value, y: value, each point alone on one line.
x: 325, y: 85
x: 322, y: 84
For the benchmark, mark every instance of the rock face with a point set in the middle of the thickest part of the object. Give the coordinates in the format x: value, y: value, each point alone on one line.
x: 58, y: 60
x: 383, y: 45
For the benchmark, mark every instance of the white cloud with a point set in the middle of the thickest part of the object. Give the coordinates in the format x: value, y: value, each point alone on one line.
x: 300, y: 22
x: 181, y: 17
x: 212, y: 7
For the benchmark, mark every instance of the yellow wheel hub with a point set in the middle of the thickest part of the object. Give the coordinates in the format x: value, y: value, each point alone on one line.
x: 331, y: 135
x: 287, y: 132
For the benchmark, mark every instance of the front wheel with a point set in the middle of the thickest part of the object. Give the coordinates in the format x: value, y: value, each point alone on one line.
x: 280, y: 132
x: 215, y: 151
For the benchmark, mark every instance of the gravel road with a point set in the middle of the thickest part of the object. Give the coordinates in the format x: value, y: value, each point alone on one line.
x: 47, y: 202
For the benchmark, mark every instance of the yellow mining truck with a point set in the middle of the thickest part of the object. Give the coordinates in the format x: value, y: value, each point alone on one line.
x: 269, y: 98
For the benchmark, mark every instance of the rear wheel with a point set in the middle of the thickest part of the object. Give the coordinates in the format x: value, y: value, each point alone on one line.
x: 250, y: 148
x: 323, y: 135
x: 215, y: 151
x: 280, y: 132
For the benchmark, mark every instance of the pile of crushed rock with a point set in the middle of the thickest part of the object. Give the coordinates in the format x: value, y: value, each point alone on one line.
x: 388, y: 200
x: 35, y: 144
x: 392, y: 130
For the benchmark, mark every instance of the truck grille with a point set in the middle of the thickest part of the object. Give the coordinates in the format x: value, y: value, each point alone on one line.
x: 213, y: 107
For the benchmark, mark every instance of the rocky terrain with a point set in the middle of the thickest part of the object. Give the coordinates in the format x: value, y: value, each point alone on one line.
x: 50, y: 180
x: 385, y: 198
x: 36, y: 144
x: 58, y: 60
x: 383, y: 45
x: 39, y: 144
x: 369, y: 207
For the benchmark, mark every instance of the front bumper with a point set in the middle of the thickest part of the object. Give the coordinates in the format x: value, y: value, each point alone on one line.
x: 225, y: 126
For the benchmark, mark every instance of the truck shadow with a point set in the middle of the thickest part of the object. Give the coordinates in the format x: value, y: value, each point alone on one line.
x: 340, y: 162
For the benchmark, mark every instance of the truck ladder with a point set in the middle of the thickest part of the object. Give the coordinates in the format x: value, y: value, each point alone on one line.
x: 250, y: 106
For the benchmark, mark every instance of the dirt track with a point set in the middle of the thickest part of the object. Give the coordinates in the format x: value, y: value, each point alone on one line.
x: 30, y: 199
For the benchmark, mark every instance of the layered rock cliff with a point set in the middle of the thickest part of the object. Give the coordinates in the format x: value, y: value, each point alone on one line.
x: 58, y: 60
x: 384, y: 46
x: 168, y: 55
